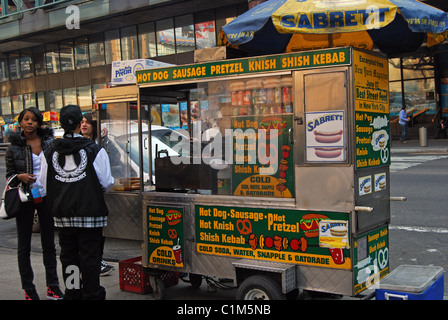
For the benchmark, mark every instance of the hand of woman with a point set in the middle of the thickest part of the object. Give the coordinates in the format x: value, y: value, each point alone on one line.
x: 27, y: 178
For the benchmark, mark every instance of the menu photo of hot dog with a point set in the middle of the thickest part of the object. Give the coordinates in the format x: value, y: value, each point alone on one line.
x: 325, y: 137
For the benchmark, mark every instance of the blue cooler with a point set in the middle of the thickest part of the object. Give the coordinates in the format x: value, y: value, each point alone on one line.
x: 409, y: 282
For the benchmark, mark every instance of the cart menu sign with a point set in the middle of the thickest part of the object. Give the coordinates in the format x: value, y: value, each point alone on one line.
x: 165, y: 235
x: 371, y: 258
x: 299, y: 60
x: 281, y: 235
x: 372, y: 130
x: 262, y: 156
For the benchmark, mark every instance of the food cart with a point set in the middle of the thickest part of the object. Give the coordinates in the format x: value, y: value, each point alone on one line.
x: 274, y: 170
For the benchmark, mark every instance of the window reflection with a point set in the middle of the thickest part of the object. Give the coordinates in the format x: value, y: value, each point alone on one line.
x: 52, y: 58
x: 165, y: 37
x: 96, y: 50
x: 81, y: 53
x: 112, y: 46
x: 147, y: 38
x: 129, y: 45
x: 184, y: 34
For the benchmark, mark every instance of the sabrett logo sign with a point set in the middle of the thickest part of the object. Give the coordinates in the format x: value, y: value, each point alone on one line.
x: 340, y: 56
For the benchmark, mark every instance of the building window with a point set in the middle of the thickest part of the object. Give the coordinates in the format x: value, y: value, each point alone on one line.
x: 96, y: 49
x: 29, y: 100
x: 129, y: 43
x: 52, y: 58
x: 69, y: 95
x: 66, y: 56
x: 41, y: 101
x: 147, y: 40
x: 81, y: 53
x: 14, y: 65
x: 5, y: 105
x: 184, y: 33
x: 3, y: 69
x: 85, y: 98
x: 165, y: 37
x: 205, y: 30
x: 55, y: 98
x: 39, y: 60
x: 26, y: 63
x: 112, y: 46
x: 411, y: 83
x: 17, y: 103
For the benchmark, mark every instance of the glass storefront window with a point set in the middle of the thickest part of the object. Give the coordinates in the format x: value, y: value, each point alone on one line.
x: 81, y: 53
x: 85, y: 98
x: 66, y: 56
x: 29, y: 100
x: 17, y: 103
x: 3, y: 68
x: 14, y: 65
x: 420, y: 95
x: 55, y: 99
x: 41, y: 101
x: 184, y: 33
x: 147, y: 39
x: 5, y: 105
x: 395, y: 98
x: 96, y: 50
x: 129, y: 44
x: 52, y: 58
x: 394, y: 69
x: 69, y: 95
x: 416, y: 68
x: 112, y: 46
x: 165, y: 37
x: 39, y: 60
x: 26, y: 63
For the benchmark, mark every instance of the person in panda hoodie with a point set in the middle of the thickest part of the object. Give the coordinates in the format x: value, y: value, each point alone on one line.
x: 75, y: 173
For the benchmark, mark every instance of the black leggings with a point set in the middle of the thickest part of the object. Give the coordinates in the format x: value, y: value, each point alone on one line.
x: 24, y: 223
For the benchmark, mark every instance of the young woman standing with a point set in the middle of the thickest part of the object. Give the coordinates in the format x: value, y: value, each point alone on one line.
x: 23, y: 160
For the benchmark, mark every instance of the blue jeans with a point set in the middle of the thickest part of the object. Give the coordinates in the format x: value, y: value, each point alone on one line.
x: 404, y: 132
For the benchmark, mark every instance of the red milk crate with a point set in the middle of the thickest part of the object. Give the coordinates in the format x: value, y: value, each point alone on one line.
x: 134, y: 279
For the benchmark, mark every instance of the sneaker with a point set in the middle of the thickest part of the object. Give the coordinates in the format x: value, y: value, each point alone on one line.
x: 106, y: 269
x: 54, y: 293
x: 31, y: 294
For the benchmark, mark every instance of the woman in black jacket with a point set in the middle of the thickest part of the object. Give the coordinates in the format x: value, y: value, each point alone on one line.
x: 23, y: 160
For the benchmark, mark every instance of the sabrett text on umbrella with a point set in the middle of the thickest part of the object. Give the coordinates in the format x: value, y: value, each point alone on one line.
x: 335, y: 19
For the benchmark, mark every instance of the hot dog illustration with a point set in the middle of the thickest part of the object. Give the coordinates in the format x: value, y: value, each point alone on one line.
x: 328, y: 152
x: 328, y: 137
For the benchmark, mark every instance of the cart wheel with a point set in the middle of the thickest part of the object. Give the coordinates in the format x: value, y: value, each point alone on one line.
x: 158, y: 287
x: 260, y: 287
x: 195, y: 280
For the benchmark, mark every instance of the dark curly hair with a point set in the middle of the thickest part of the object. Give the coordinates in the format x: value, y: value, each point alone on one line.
x: 89, y: 118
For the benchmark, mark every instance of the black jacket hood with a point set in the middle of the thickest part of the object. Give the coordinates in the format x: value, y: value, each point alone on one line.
x: 70, y: 145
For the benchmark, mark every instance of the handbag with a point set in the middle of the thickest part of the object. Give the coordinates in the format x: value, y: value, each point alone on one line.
x: 12, y: 200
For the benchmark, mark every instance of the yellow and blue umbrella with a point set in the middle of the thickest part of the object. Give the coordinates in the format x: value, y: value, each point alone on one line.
x: 394, y: 26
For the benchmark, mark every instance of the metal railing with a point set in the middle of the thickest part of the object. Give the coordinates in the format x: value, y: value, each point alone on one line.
x: 11, y: 7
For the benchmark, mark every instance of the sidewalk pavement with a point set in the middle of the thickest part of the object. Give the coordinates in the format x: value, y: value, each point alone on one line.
x: 116, y: 250
x: 413, y: 146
